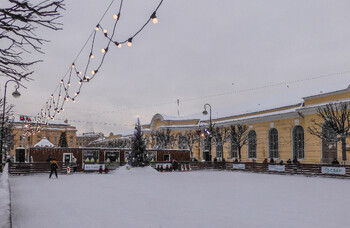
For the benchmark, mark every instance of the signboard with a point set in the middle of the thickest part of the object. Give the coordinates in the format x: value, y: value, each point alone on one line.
x: 238, y: 166
x: 164, y: 165
x: 333, y: 170
x: 93, y: 167
x: 277, y: 168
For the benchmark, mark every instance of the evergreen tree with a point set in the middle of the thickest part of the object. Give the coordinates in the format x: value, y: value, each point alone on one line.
x: 63, y: 140
x: 138, y: 156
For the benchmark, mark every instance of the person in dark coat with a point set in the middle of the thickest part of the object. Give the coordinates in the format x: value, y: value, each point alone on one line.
x: 289, y: 161
x: 335, y: 162
x: 295, y: 160
x: 272, y: 161
x: 54, y: 166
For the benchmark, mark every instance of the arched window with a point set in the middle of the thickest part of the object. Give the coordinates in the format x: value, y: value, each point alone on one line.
x: 252, y: 144
x: 273, y: 143
x: 182, y: 143
x: 234, y: 147
x: 329, y: 144
x: 298, y: 142
x: 219, y: 147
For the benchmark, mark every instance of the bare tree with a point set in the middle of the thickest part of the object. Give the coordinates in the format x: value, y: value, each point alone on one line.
x: 239, y: 137
x: 18, y: 24
x: 188, y: 140
x: 163, y: 138
x: 336, y: 116
x: 8, y: 133
x: 221, y: 136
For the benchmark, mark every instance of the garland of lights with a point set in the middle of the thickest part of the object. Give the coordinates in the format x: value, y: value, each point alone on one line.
x: 55, y: 104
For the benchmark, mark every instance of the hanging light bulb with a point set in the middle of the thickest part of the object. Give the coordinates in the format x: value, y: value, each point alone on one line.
x: 105, y: 32
x: 62, y: 109
x: 116, y: 16
x: 67, y: 98
x: 130, y: 42
x: 94, y: 71
x: 76, y: 94
x: 104, y: 50
x: 51, y: 95
x: 58, y: 112
x: 119, y: 45
x: 60, y: 96
x: 73, y: 65
x: 91, y: 55
x: 73, y: 100
x: 81, y: 81
x: 62, y: 81
x: 97, y: 27
x: 154, y: 18
x: 87, y: 78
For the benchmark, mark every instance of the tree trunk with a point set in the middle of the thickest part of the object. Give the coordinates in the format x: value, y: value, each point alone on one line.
x: 343, y: 147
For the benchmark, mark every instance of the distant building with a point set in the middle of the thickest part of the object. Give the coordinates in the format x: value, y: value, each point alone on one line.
x: 84, y: 139
x: 276, y: 128
x: 27, y: 133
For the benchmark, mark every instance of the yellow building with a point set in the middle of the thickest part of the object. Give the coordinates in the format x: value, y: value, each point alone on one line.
x: 26, y: 134
x: 279, y: 133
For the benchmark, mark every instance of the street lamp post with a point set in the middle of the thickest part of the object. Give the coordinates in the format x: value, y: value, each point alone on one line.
x: 205, y: 112
x: 15, y: 94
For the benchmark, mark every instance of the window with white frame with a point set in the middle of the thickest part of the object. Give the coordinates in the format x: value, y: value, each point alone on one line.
x: 219, y: 146
x: 273, y: 143
x: 251, y: 144
x: 298, y: 142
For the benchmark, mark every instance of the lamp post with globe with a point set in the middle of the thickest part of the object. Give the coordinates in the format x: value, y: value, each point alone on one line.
x: 15, y: 94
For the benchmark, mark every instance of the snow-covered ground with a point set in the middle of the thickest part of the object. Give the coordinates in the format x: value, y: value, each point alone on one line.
x: 143, y: 197
x: 4, y: 199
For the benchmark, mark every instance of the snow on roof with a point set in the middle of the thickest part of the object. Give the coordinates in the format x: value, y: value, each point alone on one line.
x: 44, y: 143
x: 270, y: 98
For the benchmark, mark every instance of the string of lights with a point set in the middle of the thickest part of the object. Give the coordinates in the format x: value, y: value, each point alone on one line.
x: 64, y: 92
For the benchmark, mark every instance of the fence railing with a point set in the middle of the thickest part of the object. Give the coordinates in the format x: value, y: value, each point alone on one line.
x: 340, y: 171
x: 43, y: 167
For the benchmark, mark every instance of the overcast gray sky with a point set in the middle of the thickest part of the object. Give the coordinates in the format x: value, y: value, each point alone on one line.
x: 199, y: 48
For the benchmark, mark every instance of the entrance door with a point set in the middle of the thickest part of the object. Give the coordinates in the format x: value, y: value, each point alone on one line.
x: 166, y: 157
x: 67, y: 157
x: 206, y: 156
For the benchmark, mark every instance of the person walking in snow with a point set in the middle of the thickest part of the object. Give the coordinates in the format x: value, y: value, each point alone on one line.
x: 54, y: 166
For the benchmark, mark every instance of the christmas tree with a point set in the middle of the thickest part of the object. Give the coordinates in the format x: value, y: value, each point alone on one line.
x: 63, y: 140
x: 138, y: 156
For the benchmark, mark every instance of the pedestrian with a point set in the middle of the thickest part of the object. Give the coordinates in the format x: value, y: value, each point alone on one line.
x: 272, y: 161
x: 281, y: 162
x: 49, y: 159
x: 265, y: 161
x: 295, y: 160
x: 289, y: 161
x: 54, y: 166
x: 75, y: 164
x: 335, y: 161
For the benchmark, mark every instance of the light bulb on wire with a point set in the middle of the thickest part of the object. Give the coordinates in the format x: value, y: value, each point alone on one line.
x: 97, y: 27
x: 129, y: 42
x: 91, y: 56
x: 154, y: 18
x: 119, y: 45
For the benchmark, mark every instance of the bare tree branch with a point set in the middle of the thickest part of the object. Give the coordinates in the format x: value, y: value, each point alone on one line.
x: 18, y: 24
